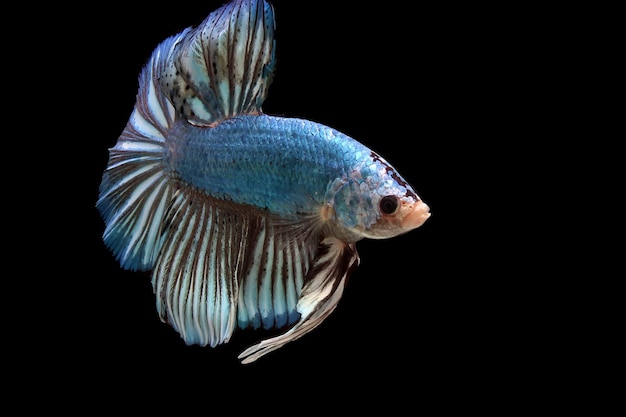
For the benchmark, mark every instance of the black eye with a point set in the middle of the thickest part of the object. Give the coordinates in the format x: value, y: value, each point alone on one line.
x: 389, y: 204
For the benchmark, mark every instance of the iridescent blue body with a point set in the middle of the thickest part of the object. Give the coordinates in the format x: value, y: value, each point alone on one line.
x: 244, y: 219
x: 287, y: 166
x: 279, y: 164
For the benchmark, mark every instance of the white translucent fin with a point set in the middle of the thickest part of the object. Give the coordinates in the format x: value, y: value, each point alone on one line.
x: 222, y: 266
x: 135, y: 190
x: 323, y: 287
x: 196, y: 279
x: 225, y: 65
x: 274, y: 277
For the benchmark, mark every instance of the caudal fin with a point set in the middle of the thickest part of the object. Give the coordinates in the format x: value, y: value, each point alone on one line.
x: 135, y: 191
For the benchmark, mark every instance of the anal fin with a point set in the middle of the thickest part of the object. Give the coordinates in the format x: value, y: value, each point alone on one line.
x: 196, y: 278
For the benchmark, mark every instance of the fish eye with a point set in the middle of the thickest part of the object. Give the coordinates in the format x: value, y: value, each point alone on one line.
x: 389, y: 204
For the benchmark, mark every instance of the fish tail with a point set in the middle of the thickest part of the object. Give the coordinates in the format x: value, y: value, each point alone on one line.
x: 135, y: 190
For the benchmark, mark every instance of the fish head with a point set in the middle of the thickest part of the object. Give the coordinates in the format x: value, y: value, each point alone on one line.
x: 375, y: 202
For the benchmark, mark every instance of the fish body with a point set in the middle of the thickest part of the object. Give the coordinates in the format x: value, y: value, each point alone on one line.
x: 286, y: 166
x: 245, y: 220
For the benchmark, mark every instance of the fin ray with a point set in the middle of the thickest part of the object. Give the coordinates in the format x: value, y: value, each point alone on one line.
x: 324, y: 286
x: 196, y: 279
x: 224, y: 66
x: 135, y: 190
x: 274, y: 276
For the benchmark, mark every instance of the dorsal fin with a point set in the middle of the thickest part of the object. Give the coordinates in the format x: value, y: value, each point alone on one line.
x: 224, y: 66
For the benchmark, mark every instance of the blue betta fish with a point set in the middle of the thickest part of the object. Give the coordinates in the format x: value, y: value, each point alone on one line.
x: 245, y: 220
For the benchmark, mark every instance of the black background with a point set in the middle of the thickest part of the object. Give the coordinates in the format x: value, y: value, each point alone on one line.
x: 429, y: 88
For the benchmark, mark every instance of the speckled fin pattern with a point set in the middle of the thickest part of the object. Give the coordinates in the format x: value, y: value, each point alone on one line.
x: 224, y: 66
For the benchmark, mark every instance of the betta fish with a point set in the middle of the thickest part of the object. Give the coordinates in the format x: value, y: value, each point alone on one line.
x: 243, y: 219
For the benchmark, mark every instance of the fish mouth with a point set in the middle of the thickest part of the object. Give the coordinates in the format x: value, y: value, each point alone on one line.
x: 417, y: 216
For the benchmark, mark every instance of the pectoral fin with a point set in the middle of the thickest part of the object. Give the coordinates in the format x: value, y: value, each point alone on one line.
x: 323, y: 287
